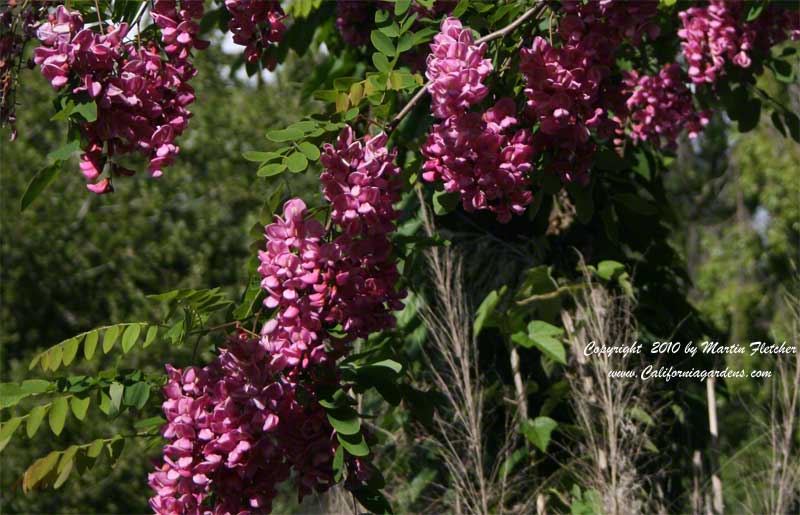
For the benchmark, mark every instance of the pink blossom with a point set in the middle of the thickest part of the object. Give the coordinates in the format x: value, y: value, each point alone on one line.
x: 141, y: 98
x: 258, y: 26
x: 456, y: 70
x: 719, y: 33
x: 235, y: 432
x: 661, y: 107
x: 359, y: 182
x: 482, y: 159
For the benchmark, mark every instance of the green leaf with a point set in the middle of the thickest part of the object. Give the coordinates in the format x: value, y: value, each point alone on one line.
x: 382, y: 42
x: 94, y: 448
x: 38, y: 471
x: 642, y: 416
x: 485, y: 310
x: 538, y: 431
x: 784, y: 71
x: 755, y: 11
x: 296, y: 162
x: 545, y: 337
x: 110, y: 338
x: 148, y: 423
x: 115, y: 448
x: 79, y: 407
x: 793, y: 124
x: 64, y: 151
x: 271, y: 169
x: 70, y: 350
x: 88, y: 111
x: 444, y: 202
x: 344, y: 420
x: 115, y: 392
x: 338, y: 464
x: 58, y: 415
x: 405, y: 43
x: 130, y: 336
x: 283, y: 135
x: 608, y: 269
x: 7, y: 431
x: 52, y: 358
x: 392, y: 30
x: 34, y: 420
x: 90, y: 344
x: 260, y: 157
x: 309, y: 149
x: 401, y: 6
x: 354, y: 444
x: 40, y: 181
x: 12, y: 393
x: 65, y: 466
x: 152, y: 332
x: 137, y: 394
x: 460, y: 8
x: 381, y: 62
x: 778, y: 123
x: 749, y: 115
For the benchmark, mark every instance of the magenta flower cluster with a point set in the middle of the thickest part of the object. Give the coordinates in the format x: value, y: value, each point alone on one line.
x: 456, y: 70
x: 258, y: 26
x: 317, y: 278
x: 484, y: 159
x: 480, y: 157
x: 569, y: 94
x: 141, y: 98
x: 661, y: 107
x: 250, y: 420
x: 235, y: 430
x: 719, y: 33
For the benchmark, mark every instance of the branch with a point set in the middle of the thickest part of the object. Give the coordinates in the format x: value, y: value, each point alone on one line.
x: 534, y: 11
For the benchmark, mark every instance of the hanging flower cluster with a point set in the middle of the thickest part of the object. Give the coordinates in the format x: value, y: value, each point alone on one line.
x: 236, y: 430
x: 661, y: 107
x: 141, y: 98
x: 719, y: 33
x: 483, y: 159
x: 258, y: 26
x: 568, y: 90
x: 316, y: 279
x: 240, y: 426
x: 456, y: 70
x: 478, y: 156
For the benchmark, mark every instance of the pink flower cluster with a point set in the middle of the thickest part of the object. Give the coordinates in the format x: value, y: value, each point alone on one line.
x: 661, y: 107
x: 141, y: 98
x: 479, y: 157
x: 258, y: 26
x: 483, y: 159
x: 456, y: 70
x: 568, y: 90
x: 316, y: 280
x: 719, y: 33
x: 235, y: 431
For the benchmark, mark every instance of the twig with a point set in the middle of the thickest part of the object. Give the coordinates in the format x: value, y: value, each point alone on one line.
x: 534, y: 11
